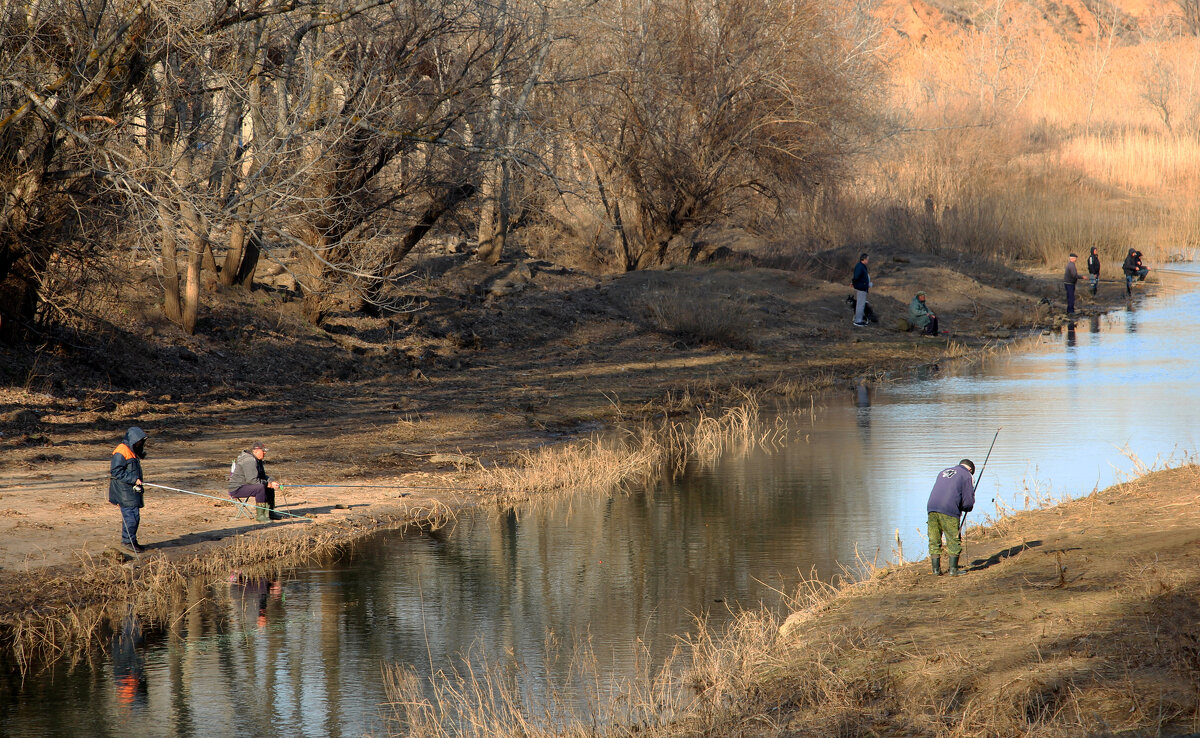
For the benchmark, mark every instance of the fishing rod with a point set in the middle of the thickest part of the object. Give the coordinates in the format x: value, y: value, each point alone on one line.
x: 390, y: 486
x: 963, y: 519
x: 220, y: 499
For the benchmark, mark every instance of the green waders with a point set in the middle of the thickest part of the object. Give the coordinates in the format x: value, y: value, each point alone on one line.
x: 941, y: 524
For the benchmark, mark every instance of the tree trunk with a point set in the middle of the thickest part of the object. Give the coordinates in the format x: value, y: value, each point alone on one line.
x: 493, y: 215
x: 245, y: 272
x: 312, y: 279
x: 231, y: 267
x: 210, y: 270
x: 170, y: 267
x: 18, y: 293
x: 449, y: 199
x: 493, y: 211
x: 191, y: 289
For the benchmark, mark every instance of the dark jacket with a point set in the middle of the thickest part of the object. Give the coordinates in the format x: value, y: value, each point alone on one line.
x: 861, y: 279
x: 1132, y: 263
x: 247, y: 469
x: 953, y: 492
x: 1071, y: 273
x: 1094, y: 263
x: 125, y: 469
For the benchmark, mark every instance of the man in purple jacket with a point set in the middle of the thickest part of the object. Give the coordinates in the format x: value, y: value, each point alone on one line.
x: 953, y: 494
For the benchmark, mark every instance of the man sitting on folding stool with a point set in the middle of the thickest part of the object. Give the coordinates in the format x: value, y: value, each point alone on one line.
x: 248, y: 478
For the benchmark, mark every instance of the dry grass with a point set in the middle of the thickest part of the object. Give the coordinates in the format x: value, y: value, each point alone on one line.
x: 719, y: 320
x: 633, y: 454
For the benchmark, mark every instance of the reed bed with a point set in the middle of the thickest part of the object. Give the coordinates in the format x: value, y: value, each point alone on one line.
x: 634, y: 454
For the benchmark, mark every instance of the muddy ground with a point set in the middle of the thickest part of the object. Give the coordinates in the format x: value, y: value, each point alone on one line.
x: 482, y: 363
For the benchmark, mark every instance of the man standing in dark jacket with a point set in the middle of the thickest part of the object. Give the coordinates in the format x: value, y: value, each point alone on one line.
x: 1093, y: 265
x: 248, y: 478
x: 1070, y: 277
x: 861, y: 281
x: 125, y: 484
x: 953, y: 494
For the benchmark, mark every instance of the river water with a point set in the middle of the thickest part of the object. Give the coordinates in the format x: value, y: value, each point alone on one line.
x: 305, y: 654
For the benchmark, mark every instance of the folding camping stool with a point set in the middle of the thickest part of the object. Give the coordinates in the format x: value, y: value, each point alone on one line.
x: 243, y: 506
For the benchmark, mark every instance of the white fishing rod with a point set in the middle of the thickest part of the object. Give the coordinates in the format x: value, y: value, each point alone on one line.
x: 220, y: 499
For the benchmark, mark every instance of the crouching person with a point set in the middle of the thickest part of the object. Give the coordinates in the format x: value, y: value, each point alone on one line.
x: 248, y: 478
x: 920, y: 317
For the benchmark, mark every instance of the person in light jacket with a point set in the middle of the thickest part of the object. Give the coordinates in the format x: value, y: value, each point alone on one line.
x: 920, y: 317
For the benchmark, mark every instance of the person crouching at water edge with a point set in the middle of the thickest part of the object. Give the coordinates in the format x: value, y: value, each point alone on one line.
x: 248, y: 478
x: 125, y: 485
x: 920, y: 317
x: 953, y: 494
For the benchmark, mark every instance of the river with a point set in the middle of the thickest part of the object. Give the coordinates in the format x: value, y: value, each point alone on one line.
x: 304, y: 654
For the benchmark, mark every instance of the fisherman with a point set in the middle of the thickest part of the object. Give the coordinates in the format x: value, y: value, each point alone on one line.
x: 953, y: 494
x: 920, y: 317
x: 861, y: 281
x: 1093, y: 267
x: 125, y: 485
x: 248, y: 478
x: 1070, y: 277
x: 1132, y: 266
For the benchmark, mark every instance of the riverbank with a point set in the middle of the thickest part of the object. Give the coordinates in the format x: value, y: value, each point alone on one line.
x: 549, y: 364
x: 1077, y: 619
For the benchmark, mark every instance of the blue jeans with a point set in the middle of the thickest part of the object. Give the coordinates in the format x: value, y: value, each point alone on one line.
x: 1094, y: 282
x: 130, y: 518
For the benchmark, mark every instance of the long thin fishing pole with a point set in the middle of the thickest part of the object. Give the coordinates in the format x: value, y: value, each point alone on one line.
x: 390, y: 486
x: 963, y: 519
x: 220, y: 499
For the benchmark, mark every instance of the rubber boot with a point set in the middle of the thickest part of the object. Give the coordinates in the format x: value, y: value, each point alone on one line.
x: 262, y: 513
x: 954, y: 570
x: 271, y: 514
x: 937, y: 564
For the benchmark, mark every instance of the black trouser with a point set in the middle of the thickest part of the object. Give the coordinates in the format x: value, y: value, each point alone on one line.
x: 1070, y: 297
x: 931, y: 328
x: 259, y: 491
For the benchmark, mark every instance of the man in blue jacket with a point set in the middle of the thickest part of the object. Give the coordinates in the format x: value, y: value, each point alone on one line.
x: 125, y: 484
x: 861, y: 281
x: 953, y: 494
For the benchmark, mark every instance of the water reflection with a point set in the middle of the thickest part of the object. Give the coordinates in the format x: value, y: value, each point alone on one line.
x: 129, y: 666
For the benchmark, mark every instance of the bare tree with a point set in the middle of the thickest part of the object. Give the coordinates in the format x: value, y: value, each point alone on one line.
x: 714, y: 107
x: 1191, y: 15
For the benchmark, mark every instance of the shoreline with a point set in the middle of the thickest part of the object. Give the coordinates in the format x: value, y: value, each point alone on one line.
x: 689, y: 394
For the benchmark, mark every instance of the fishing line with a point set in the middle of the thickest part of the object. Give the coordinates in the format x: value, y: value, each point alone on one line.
x: 392, y: 486
x: 222, y: 499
